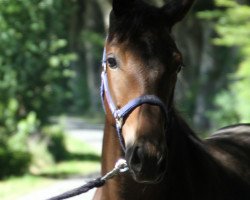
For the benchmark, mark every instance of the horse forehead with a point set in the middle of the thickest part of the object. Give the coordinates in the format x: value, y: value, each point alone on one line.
x: 140, y: 32
x: 146, y: 44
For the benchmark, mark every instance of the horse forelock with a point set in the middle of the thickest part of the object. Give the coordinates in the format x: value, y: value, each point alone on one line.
x: 145, y: 34
x: 140, y: 18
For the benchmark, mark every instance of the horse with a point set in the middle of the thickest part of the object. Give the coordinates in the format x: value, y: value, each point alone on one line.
x: 166, y: 160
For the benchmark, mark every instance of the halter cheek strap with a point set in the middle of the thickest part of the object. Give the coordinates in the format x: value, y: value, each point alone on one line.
x: 122, y: 113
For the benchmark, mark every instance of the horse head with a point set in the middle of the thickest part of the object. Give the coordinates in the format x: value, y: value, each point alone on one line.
x: 141, y: 59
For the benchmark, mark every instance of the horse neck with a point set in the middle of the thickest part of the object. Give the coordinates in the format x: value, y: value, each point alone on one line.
x: 111, y: 151
x: 188, y: 161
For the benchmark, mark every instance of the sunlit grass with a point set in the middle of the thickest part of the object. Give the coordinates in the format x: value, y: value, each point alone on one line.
x: 82, y: 160
x: 15, y: 187
x: 71, y: 168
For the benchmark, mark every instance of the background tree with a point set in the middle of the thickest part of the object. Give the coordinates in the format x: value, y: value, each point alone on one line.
x: 87, y: 36
x: 232, y: 25
x: 34, y: 74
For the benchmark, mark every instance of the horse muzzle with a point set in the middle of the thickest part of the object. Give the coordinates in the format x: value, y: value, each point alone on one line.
x: 147, y: 162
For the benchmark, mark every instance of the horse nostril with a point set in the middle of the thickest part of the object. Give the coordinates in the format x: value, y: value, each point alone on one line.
x: 136, y: 161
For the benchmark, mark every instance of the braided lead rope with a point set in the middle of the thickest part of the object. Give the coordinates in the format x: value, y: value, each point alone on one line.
x: 120, y: 167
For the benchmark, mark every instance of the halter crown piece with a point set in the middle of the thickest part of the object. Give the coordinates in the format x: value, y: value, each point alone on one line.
x: 121, y: 113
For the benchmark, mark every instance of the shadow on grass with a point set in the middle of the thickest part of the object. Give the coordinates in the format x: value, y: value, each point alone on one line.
x: 66, y: 172
x: 83, y: 157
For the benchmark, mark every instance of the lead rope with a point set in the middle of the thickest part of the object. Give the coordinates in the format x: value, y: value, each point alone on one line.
x: 120, y: 167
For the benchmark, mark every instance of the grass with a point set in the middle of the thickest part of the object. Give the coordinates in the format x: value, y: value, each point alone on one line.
x: 15, y: 187
x: 81, y: 161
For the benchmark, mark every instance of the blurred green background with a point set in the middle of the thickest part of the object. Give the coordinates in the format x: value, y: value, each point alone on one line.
x: 50, y: 52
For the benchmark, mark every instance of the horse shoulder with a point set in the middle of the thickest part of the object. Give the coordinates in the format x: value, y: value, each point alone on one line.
x: 230, y: 146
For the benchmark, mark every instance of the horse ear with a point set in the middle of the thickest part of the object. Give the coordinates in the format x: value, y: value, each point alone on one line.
x: 176, y: 10
x: 121, y: 7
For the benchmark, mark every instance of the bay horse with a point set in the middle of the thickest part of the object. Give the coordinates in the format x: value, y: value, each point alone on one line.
x: 166, y: 160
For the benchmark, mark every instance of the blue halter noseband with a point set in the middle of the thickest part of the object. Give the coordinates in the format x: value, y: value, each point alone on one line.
x: 121, y: 113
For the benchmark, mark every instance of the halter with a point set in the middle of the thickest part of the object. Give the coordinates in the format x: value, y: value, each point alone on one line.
x: 120, y: 114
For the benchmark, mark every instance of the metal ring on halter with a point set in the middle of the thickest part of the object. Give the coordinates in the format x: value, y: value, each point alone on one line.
x: 119, y: 122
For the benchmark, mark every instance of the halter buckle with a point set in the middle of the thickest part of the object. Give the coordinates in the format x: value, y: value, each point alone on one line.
x: 119, y: 122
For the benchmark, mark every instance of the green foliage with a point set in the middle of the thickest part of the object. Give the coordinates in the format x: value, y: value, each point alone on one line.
x: 232, y: 23
x: 225, y: 114
x: 35, y: 62
x: 56, y: 142
x: 13, y: 162
x: 15, y: 156
x: 233, y: 28
x: 40, y: 75
x: 241, y: 91
x: 34, y: 74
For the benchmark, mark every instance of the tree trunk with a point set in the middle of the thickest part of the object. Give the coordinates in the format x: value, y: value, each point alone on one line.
x: 205, y: 90
x: 91, y: 25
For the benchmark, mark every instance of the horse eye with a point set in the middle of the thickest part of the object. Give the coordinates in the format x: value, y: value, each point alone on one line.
x: 112, y: 63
